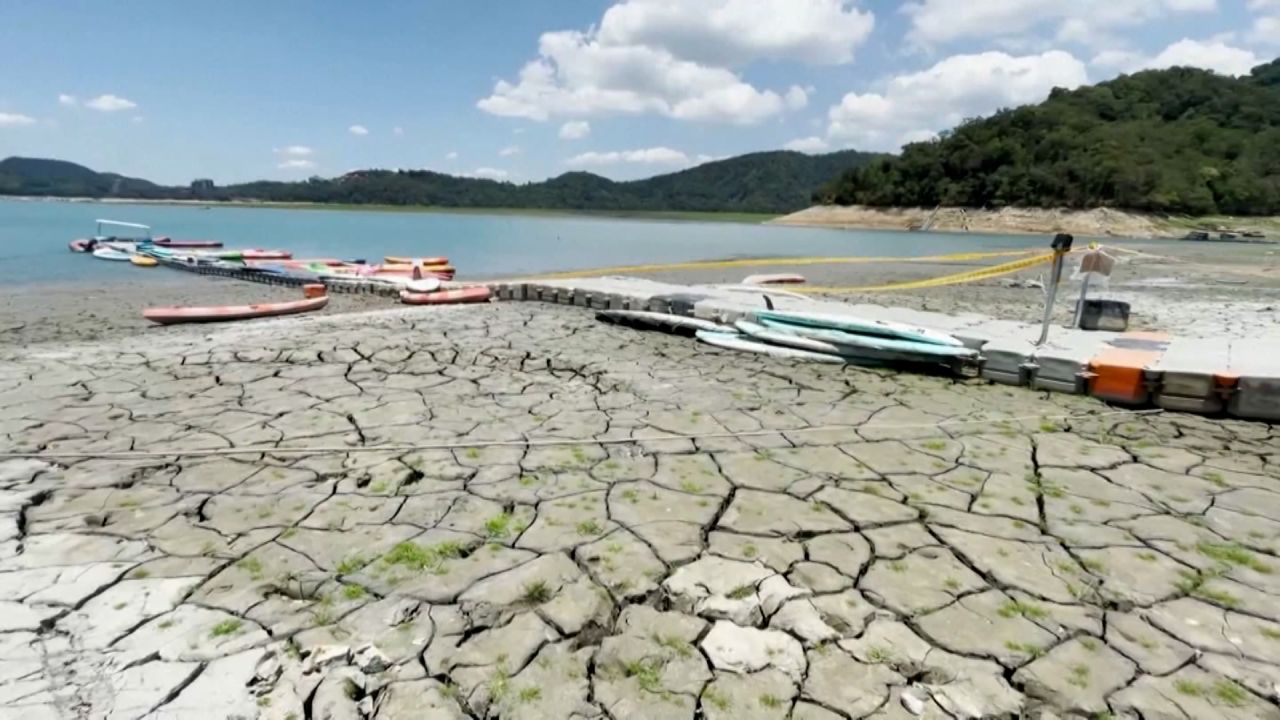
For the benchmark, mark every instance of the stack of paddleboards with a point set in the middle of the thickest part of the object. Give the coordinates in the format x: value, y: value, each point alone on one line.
x: 838, y: 339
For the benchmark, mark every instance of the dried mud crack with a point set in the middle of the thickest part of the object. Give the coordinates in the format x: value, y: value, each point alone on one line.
x: 895, y: 564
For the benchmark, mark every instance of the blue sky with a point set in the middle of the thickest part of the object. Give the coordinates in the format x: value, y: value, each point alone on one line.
x: 527, y: 89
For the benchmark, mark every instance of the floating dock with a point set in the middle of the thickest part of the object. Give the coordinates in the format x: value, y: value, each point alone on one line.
x: 1238, y: 376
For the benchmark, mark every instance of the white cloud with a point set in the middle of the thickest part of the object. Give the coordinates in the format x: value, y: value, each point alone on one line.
x: 509, y: 151
x: 1265, y: 31
x: 294, y: 157
x: 491, y: 173
x: 676, y: 58
x: 136, y: 118
x: 1216, y: 56
x: 914, y: 106
x: 110, y: 103
x: 67, y: 100
x: 797, y: 98
x: 451, y: 155
x: 575, y: 130
x: 577, y: 76
x: 397, y: 130
x: 15, y: 119
x: 1083, y: 21
x: 358, y: 130
x: 646, y: 156
x: 809, y: 145
x: 737, y: 32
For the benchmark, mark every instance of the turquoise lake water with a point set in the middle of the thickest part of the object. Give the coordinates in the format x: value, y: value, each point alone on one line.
x: 34, y: 237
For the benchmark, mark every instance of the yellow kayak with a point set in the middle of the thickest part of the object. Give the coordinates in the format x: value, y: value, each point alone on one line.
x: 143, y: 261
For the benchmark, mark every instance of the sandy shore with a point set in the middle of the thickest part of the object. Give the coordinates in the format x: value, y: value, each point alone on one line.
x: 1101, y: 222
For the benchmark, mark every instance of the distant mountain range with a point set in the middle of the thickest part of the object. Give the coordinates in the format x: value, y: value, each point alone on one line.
x: 35, y: 176
x: 767, y: 182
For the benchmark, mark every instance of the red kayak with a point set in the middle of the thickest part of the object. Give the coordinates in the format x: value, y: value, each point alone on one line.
x: 446, y: 297
x: 175, y: 315
x: 194, y: 244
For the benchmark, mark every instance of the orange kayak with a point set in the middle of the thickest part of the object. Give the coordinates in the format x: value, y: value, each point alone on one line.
x: 446, y: 297
x: 175, y: 315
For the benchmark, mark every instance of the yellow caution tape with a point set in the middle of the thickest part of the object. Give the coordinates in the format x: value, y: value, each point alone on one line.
x: 775, y: 262
x: 957, y: 279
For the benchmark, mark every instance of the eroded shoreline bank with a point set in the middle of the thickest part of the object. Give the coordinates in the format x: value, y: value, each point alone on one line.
x: 1099, y: 222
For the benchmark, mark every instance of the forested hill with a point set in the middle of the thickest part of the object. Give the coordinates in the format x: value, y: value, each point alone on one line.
x: 32, y: 176
x: 769, y: 182
x: 1179, y: 140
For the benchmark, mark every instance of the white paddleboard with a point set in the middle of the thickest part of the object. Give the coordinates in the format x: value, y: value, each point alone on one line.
x: 853, y: 343
x: 736, y: 341
x: 107, y: 253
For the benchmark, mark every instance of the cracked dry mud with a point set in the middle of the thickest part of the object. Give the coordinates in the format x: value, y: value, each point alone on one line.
x: 850, y: 558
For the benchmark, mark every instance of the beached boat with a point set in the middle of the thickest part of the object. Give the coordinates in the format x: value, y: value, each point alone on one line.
x: 121, y: 241
x: 446, y: 297
x: 224, y: 313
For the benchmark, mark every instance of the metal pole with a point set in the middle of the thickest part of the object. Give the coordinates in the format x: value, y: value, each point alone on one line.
x: 1061, y: 246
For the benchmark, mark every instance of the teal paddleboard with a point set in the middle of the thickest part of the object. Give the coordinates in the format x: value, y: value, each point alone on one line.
x: 850, y: 355
x: 860, y: 326
x: 852, y: 342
